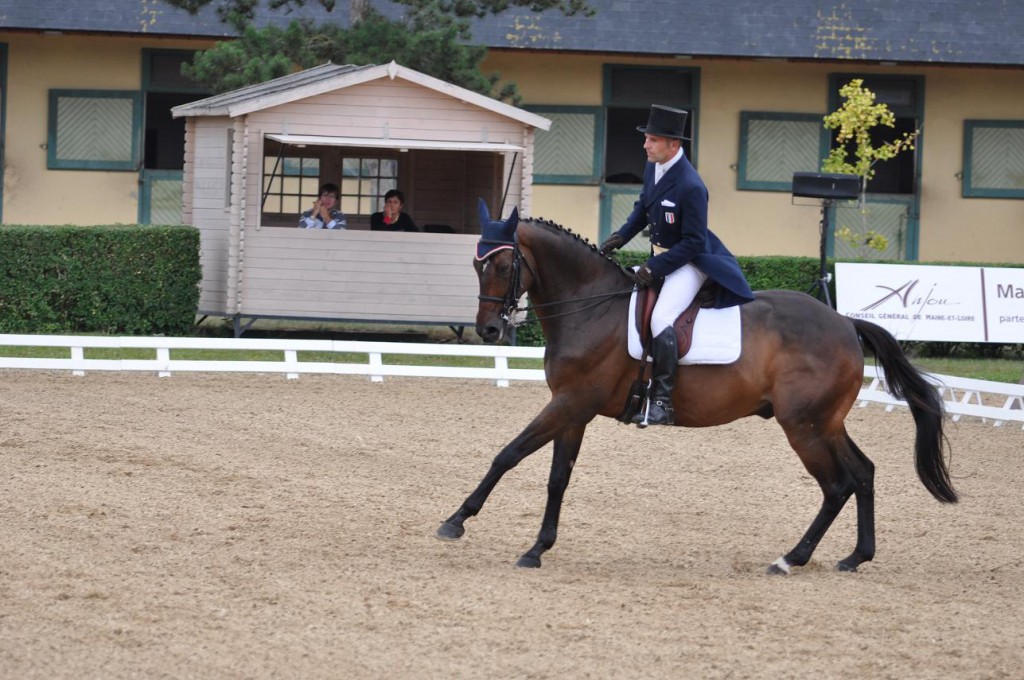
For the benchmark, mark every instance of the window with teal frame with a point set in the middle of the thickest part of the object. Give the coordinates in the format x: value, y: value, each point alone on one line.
x: 775, y: 145
x: 993, y: 159
x: 93, y: 130
x: 570, y: 152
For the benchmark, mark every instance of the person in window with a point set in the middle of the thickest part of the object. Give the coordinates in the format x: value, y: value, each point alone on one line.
x: 324, y: 214
x: 684, y: 252
x: 392, y: 218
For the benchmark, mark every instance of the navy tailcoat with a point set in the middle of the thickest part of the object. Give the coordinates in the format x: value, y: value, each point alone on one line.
x: 676, y: 208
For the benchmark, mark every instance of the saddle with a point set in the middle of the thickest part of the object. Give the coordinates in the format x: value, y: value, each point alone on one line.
x: 683, y: 325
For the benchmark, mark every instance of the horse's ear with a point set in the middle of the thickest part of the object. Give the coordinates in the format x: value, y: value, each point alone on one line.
x: 485, y: 214
x: 512, y: 222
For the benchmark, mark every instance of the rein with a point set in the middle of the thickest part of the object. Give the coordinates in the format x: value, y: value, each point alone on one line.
x: 510, y: 302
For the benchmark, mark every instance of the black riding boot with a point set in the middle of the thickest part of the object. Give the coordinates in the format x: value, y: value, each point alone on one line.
x: 658, y: 409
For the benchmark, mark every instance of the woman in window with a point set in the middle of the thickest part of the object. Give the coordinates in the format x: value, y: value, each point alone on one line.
x: 324, y: 214
x: 392, y: 218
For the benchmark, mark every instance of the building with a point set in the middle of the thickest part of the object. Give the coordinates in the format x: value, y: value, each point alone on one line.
x: 88, y: 135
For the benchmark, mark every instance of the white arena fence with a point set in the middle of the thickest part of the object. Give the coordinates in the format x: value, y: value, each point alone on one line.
x: 993, y: 402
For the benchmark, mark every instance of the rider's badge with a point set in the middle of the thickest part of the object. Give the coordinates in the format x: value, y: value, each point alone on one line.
x: 670, y: 218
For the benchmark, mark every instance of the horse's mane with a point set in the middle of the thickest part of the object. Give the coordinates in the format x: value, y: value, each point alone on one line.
x: 578, y: 240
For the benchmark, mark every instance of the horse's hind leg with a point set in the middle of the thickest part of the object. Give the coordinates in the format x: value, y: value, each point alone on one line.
x: 567, y: 447
x: 821, y: 457
x: 862, y: 470
x: 841, y: 470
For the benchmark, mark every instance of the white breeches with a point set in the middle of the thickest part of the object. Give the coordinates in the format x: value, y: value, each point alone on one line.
x: 677, y: 293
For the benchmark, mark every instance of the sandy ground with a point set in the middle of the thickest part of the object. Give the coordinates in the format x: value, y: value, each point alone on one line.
x: 248, y: 526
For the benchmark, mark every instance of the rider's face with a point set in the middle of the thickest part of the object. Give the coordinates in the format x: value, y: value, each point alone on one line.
x: 660, y: 149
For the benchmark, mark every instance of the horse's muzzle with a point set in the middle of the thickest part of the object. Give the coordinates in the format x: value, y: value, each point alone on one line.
x: 490, y: 332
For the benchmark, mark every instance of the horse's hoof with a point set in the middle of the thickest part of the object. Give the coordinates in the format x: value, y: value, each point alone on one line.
x: 779, y: 567
x: 528, y: 562
x: 847, y: 568
x: 450, y: 532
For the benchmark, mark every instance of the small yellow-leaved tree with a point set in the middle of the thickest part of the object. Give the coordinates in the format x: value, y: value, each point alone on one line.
x: 854, y: 120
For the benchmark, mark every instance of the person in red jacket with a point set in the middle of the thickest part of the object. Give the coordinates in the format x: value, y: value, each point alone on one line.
x: 392, y: 218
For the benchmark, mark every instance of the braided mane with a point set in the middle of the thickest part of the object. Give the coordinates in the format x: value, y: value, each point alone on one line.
x: 582, y: 241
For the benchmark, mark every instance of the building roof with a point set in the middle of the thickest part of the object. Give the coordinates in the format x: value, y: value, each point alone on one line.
x: 131, y: 16
x: 331, y: 77
x: 975, y: 32
x: 979, y: 32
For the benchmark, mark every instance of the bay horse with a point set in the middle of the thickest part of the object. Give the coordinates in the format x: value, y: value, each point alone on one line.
x: 801, y: 362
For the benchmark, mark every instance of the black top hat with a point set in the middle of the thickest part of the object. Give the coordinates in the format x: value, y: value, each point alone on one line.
x: 665, y: 122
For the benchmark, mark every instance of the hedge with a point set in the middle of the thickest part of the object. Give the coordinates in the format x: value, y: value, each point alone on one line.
x: 112, y: 279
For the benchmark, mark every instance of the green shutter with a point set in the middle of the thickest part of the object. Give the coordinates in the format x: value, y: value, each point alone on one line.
x: 993, y: 159
x: 568, y: 153
x: 773, y: 146
x: 93, y: 130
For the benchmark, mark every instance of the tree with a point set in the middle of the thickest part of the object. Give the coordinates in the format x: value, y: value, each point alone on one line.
x: 854, y: 120
x: 433, y: 37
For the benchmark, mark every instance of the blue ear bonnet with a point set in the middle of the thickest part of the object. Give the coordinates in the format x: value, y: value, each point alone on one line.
x: 495, y: 235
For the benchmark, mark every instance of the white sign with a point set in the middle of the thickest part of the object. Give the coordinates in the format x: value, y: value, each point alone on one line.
x: 923, y: 302
x: 1004, y: 301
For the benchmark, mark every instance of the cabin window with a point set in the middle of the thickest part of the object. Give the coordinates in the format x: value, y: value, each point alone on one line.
x: 993, y: 159
x: 570, y: 152
x: 293, y: 183
x: 775, y: 145
x: 364, y: 181
x: 93, y: 130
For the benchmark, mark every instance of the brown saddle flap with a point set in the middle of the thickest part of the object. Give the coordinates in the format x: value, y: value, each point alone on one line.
x: 684, y: 323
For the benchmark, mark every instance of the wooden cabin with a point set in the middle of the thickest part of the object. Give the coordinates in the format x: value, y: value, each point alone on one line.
x: 256, y: 157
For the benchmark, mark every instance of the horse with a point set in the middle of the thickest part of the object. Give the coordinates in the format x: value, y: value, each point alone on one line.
x: 801, y: 362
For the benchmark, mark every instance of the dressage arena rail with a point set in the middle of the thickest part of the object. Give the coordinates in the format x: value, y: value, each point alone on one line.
x: 990, y: 401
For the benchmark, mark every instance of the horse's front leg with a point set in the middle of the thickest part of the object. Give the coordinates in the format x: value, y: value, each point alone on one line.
x: 538, y: 433
x: 567, y: 447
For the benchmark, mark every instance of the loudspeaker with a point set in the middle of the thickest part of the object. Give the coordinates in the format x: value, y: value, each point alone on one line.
x: 825, y: 185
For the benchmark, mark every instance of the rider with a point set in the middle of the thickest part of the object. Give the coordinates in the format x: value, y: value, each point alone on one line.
x: 684, y: 252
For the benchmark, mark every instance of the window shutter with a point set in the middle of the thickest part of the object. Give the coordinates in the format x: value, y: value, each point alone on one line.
x: 568, y: 153
x: 993, y: 159
x: 775, y: 145
x: 93, y: 130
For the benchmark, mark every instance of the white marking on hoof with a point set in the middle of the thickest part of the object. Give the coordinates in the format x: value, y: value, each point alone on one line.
x: 782, y: 565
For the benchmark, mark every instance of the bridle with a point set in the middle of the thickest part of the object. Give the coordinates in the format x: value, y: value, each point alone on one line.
x: 510, y: 301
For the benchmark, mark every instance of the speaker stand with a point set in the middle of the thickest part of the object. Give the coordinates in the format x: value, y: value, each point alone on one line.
x: 820, y: 287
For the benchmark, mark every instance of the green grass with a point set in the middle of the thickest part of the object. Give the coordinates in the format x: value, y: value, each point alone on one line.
x: 996, y: 370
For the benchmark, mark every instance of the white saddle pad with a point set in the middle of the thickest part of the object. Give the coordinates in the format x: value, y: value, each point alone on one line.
x: 717, y: 336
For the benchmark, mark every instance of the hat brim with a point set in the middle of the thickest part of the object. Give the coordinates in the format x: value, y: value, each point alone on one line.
x: 661, y: 133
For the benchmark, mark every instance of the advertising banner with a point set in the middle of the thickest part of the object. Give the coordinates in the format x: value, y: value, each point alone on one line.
x: 923, y: 302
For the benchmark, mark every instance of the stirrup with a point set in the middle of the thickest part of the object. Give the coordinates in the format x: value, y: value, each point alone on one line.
x: 667, y: 411
x: 641, y: 419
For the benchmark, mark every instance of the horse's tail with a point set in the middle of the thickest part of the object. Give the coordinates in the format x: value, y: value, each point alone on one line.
x: 905, y: 382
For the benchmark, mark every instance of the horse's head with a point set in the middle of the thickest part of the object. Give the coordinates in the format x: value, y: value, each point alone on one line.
x: 565, y: 274
x: 498, y: 266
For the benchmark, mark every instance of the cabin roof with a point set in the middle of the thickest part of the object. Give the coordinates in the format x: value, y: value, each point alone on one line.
x: 331, y: 77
